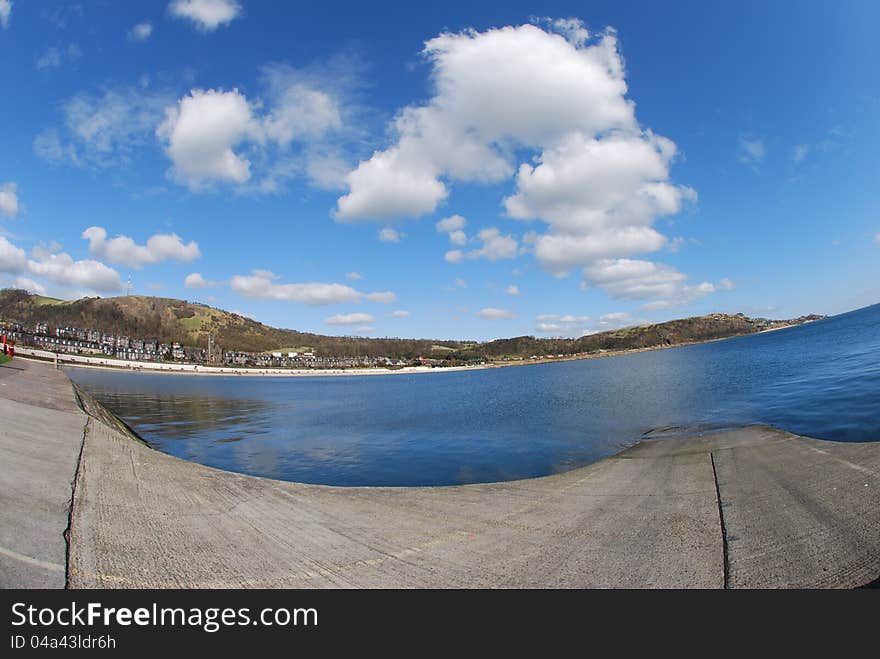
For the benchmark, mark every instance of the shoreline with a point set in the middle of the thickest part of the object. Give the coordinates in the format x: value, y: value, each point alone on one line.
x: 113, y: 364
x: 731, y: 508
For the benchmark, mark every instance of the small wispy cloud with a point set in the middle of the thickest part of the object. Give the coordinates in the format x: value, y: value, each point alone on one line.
x: 389, y: 235
x: 141, y: 31
x: 492, y: 313
x: 752, y: 151
x: 53, y: 57
x: 5, y: 13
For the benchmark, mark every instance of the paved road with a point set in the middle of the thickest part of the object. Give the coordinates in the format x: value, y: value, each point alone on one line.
x: 753, y: 507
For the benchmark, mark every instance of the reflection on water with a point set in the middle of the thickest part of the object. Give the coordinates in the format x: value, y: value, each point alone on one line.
x: 821, y: 379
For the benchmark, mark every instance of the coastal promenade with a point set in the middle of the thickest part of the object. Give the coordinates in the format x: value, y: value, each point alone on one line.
x: 86, y: 361
x: 751, y: 507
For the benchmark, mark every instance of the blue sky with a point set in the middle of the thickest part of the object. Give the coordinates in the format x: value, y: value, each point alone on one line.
x: 468, y: 170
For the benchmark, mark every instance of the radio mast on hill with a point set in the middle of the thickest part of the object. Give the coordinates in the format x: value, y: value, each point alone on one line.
x: 128, y: 286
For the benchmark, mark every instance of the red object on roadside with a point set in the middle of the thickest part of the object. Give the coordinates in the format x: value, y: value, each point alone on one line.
x: 12, y: 351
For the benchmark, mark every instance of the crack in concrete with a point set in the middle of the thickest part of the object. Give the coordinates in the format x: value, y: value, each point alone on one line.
x: 73, y: 484
x: 726, y: 578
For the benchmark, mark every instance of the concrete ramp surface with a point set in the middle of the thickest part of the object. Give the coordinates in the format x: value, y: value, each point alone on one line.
x: 753, y: 507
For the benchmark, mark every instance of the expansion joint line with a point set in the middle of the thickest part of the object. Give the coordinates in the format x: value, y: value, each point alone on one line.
x: 726, y: 578
x: 73, y: 485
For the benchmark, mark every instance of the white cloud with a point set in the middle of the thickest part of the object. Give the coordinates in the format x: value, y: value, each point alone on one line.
x: 54, y: 56
x: 47, y: 145
x: 195, y: 280
x: 207, y: 15
x: 211, y: 135
x: 492, y: 313
x: 589, y: 171
x: 559, y: 252
x: 59, y: 268
x: 49, y: 60
x: 12, y: 258
x: 635, y: 279
x: 571, y: 28
x: 30, y: 285
x: 9, y: 199
x: 5, y: 12
x: 453, y: 226
x: 389, y: 235
x: 123, y: 250
x: 549, y: 327
x: 399, y: 314
x: 877, y: 238
x: 103, y: 130
x: 349, y: 319
x: 326, y: 171
x: 299, y: 109
x: 612, y: 321
x: 576, y: 326
x: 313, y: 117
x: 481, y: 111
x: 353, y: 276
x: 141, y: 31
x: 458, y: 238
x: 726, y: 284
x: 600, y: 197
x: 451, y: 223
x: 387, y: 189
x: 800, y: 152
x: 495, y: 246
x: 513, y: 289
x: 62, y: 269
x: 201, y: 132
x: 262, y: 284
x: 752, y: 151
x: 216, y: 135
x: 563, y: 325
x: 460, y: 283
x: 454, y: 256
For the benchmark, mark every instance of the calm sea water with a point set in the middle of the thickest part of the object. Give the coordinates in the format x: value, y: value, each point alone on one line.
x: 820, y: 379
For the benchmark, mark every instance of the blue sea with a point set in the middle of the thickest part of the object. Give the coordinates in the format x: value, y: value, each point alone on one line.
x: 821, y: 379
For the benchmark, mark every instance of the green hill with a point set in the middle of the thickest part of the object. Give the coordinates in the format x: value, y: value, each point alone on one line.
x: 189, y: 323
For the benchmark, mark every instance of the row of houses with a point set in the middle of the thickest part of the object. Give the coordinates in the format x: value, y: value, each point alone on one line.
x: 88, y: 341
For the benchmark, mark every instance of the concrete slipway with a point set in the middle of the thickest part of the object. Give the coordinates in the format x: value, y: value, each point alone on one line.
x: 753, y: 507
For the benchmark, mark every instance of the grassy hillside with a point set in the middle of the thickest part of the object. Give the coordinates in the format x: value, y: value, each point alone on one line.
x: 190, y: 323
x: 673, y: 332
